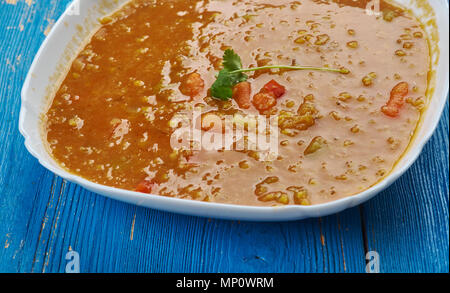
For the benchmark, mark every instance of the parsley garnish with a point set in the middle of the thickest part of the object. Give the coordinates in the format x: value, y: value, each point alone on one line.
x: 233, y: 73
x: 227, y: 78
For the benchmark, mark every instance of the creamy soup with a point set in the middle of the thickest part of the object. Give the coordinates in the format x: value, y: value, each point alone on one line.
x: 157, y: 68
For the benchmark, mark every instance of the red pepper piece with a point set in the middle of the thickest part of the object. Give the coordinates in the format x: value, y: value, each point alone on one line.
x: 192, y: 85
x: 264, y: 101
x: 241, y: 94
x: 145, y: 186
x: 274, y: 87
x: 396, y: 100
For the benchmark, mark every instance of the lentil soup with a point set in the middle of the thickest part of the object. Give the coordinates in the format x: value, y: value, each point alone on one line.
x: 340, y: 126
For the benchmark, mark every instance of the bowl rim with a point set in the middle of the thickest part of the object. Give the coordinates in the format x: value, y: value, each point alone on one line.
x: 224, y: 210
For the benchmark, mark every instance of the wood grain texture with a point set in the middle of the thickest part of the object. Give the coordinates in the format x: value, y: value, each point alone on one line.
x: 412, y: 215
x: 42, y: 216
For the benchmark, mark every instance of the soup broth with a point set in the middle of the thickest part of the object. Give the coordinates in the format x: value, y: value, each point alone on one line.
x: 334, y: 134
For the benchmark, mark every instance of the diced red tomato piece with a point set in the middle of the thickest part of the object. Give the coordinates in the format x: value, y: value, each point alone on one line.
x: 264, y: 101
x: 145, y: 186
x: 192, y: 85
x: 274, y: 87
x: 396, y: 100
x: 241, y: 94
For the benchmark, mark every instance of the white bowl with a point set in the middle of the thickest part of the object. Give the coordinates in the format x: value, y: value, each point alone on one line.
x: 80, y: 19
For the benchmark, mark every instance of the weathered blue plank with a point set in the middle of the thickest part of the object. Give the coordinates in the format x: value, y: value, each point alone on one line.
x: 408, y: 224
x: 42, y: 216
x: 116, y: 237
x: 23, y: 183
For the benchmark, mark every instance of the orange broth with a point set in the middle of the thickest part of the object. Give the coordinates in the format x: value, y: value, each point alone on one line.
x: 112, y: 119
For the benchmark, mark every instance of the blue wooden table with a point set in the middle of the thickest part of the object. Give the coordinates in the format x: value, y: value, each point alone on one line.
x: 42, y: 217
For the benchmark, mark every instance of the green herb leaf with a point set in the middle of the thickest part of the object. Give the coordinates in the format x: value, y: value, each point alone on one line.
x: 233, y: 73
x: 231, y: 60
x: 223, y: 86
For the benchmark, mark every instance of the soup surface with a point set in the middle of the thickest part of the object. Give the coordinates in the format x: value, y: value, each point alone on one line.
x: 145, y: 77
